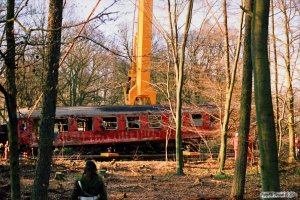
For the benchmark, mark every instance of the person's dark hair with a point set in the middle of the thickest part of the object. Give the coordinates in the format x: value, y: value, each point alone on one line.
x: 90, y: 167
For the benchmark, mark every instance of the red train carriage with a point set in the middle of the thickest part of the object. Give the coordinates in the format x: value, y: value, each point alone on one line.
x: 122, y: 128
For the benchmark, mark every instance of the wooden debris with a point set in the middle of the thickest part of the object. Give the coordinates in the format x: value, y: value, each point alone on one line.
x: 59, y: 176
x: 190, y: 153
x: 109, y: 155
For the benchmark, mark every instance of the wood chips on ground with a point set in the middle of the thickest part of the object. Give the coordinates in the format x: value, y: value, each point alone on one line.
x: 151, y: 179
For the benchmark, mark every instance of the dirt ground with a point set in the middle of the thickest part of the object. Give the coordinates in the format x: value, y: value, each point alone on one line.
x: 151, y: 179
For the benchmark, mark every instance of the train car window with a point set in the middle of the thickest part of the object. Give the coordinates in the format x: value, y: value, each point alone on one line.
x: 133, y: 122
x: 85, y: 124
x: 36, y: 125
x: 61, y: 125
x: 197, y: 119
x: 3, y: 134
x: 23, y: 127
x: 154, y: 121
x: 109, y: 123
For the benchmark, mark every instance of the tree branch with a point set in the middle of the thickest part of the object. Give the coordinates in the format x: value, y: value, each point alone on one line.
x: 3, y: 90
x: 104, y: 47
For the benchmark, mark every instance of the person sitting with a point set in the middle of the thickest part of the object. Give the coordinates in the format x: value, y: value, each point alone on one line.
x: 90, y: 185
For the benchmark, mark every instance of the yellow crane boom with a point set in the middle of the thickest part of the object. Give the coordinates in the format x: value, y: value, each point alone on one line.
x: 140, y: 90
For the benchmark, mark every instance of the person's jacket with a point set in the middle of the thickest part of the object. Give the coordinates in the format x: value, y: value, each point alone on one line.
x: 93, y: 186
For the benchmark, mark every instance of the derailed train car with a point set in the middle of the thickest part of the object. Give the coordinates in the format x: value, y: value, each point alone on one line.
x: 122, y: 128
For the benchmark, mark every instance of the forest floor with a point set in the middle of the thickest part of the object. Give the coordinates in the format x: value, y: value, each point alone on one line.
x: 151, y: 179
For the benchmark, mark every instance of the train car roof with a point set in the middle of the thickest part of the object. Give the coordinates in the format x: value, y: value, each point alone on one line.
x: 93, y: 111
x: 85, y: 111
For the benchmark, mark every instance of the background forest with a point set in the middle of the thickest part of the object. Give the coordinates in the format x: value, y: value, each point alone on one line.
x: 96, y: 55
x: 95, y: 71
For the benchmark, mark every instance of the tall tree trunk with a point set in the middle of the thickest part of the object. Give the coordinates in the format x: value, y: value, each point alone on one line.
x: 238, y: 185
x: 179, y: 60
x: 290, y: 93
x: 230, y: 81
x: 11, y: 101
x: 43, y: 168
x: 263, y: 97
x: 224, y: 128
x: 179, y: 156
x: 277, y: 122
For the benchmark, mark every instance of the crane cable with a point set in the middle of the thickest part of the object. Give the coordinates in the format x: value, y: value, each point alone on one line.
x: 133, y: 51
x: 133, y: 21
x: 68, y: 51
x: 80, y: 31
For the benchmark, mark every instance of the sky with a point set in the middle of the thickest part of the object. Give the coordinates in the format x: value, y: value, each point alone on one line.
x: 126, y: 10
x: 78, y: 11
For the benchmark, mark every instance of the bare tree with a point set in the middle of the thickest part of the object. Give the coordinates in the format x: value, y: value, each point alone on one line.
x: 230, y: 81
x: 278, y: 130
x: 178, y: 57
x: 10, y: 94
x: 238, y: 185
x: 288, y: 76
x: 92, y: 75
x: 43, y: 168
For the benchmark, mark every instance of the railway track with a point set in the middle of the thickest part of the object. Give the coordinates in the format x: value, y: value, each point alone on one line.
x: 118, y: 157
x: 138, y: 156
x: 200, y: 157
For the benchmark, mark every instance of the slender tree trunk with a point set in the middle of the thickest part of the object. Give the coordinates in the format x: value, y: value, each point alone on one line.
x: 43, y: 168
x: 275, y: 78
x: 11, y: 101
x: 290, y: 93
x: 230, y: 81
x: 224, y: 127
x: 179, y: 156
x: 238, y: 186
x: 179, y: 60
x: 263, y: 97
